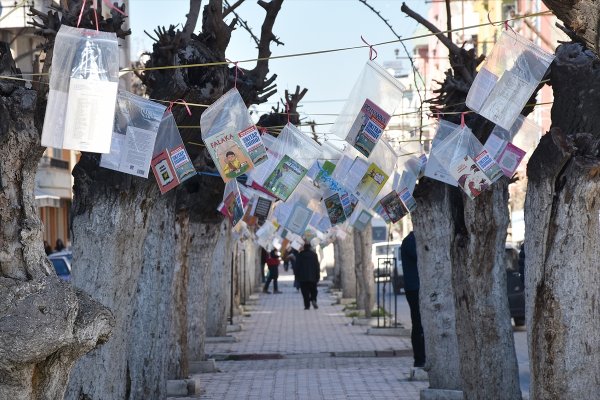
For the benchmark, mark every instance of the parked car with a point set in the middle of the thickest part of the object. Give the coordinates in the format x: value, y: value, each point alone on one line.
x: 62, y: 261
x: 515, y: 285
x: 383, y: 255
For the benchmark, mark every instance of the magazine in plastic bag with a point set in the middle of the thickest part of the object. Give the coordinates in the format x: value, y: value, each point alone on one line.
x: 508, y: 79
x: 508, y: 154
x: 381, y: 165
x: 434, y: 169
x: 233, y: 203
x: 366, y: 113
x: 468, y: 162
x: 137, y: 121
x: 171, y: 163
x: 83, y: 90
x: 231, y: 138
x: 298, y: 153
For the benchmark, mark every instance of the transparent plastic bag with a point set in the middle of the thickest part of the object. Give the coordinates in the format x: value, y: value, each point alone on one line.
x: 233, y: 204
x: 171, y: 163
x: 381, y: 165
x: 137, y: 121
x: 84, y: 79
x: 327, y: 161
x: 370, y: 106
x: 468, y: 162
x: 231, y: 138
x: 300, y: 216
x: 298, y: 152
x: 500, y: 146
x: 434, y: 169
x: 507, y: 79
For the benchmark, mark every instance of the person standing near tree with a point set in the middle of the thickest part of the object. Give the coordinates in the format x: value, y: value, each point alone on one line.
x: 308, y: 273
x: 408, y: 254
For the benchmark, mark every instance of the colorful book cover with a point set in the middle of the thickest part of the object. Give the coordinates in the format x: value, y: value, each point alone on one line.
x: 261, y: 209
x: 254, y: 145
x: 349, y: 202
x: 335, y: 210
x: 408, y: 200
x: 182, y: 163
x: 363, y: 220
x: 325, y: 171
x: 234, y: 207
x: 510, y: 159
x: 285, y: 177
x: 368, y: 127
x: 488, y: 165
x: 393, y: 206
x: 381, y: 212
x: 371, y: 184
x: 229, y: 156
x: 470, y: 177
x: 164, y: 172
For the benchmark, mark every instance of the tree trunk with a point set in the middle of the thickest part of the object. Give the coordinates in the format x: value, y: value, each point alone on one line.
x: 488, y: 362
x: 219, y: 289
x: 365, y: 299
x: 45, y: 324
x: 344, y: 254
x: 434, y: 230
x: 562, y: 254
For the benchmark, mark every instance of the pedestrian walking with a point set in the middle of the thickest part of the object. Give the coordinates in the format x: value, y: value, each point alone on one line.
x: 408, y: 254
x: 308, y: 273
x: 273, y: 264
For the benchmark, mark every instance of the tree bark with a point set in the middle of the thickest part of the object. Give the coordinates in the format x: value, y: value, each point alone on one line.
x: 365, y: 298
x: 562, y: 279
x: 217, y: 309
x: 345, y: 268
x: 45, y: 324
x: 434, y: 230
x: 581, y: 17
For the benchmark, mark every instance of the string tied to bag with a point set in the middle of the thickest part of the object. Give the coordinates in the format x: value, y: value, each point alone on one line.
x: 178, y: 101
x: 372, y: 51
x: 287, y: 111
x: 462, y: 119
x: 113, y: 7
x: 94, y: 7
x: 237, y: 69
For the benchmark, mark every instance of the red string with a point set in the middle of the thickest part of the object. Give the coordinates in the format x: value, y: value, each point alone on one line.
x: 462, y: 119
x: 112, y: 7
x: 371, y: 49
x: 81, y: 12
x: 179, y: 101
x: 235, y: 63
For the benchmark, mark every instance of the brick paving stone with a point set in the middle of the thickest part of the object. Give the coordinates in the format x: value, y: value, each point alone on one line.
x: 280, y: 325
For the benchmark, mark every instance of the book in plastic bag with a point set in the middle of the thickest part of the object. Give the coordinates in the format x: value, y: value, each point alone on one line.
x: 434, y: 169
x: 137, y: 121
x: 508, y: 79
x: 83, y: 90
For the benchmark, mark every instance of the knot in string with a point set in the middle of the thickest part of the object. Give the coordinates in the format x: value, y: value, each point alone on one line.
x: 235, y: 64
x: 372, y: 51
x: 178, y: 101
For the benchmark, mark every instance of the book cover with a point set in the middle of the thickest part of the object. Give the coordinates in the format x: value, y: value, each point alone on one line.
x: 182, y: 163
x: 250, y: 138
x: 378, y: 208
x: 325, y: 171
x: 488, y: 165
x: 408, y: 200
x: 371, y: 184
x: 261, y: 209
x: 393, y: 206
x: 335, y: 210
x: 471, y: 179
x: 234, y: 207
x: 164, y: 172
x: 363, y: 220
x: 229, y: 155
x: 510, y: 159
x: 299, y: 219
x: 284, y: 178
x: 368, y: 127
x: 349, y: 202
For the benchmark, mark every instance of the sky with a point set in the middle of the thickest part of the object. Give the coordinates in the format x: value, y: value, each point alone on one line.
x: 302, y: 25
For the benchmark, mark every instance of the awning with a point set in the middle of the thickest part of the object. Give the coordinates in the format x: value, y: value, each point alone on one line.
x: 44, y: 198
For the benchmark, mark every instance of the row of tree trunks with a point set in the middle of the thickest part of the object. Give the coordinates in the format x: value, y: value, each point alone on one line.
x: 435, y: 272
x: 562, y: 253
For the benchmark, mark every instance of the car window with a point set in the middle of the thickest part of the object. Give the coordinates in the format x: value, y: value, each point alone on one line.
x: 60, y: 266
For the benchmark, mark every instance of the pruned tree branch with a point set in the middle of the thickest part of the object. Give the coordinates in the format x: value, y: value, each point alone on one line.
x: 449, y: 20
x: 231, y: 8
x: 191, y: 19
x: 241, y: 22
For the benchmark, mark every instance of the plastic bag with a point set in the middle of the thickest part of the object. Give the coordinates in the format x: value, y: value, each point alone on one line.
x: 370, y: 106
x: 468, y: 162
x: 137, y: 121
x: 507, y: 79
x: 326, y: 162
x: 361, y: 218
x: 83, y: 90
x: 171, y: 163
x: 434, y: 169
x: 231, y: 138
x: 296, y: 154
x: 381, y: 165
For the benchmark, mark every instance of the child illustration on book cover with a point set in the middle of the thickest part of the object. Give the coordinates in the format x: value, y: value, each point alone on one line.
x: 233, y: 161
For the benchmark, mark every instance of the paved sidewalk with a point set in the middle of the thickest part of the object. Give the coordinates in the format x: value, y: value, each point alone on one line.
x: 291, y: 353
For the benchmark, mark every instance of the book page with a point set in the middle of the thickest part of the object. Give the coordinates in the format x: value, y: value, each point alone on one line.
x: 136, y: 155
x: 471, y: 179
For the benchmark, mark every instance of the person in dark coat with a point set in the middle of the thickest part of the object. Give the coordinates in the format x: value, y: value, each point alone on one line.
x: 408, y: 254
x: 308, y: 273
